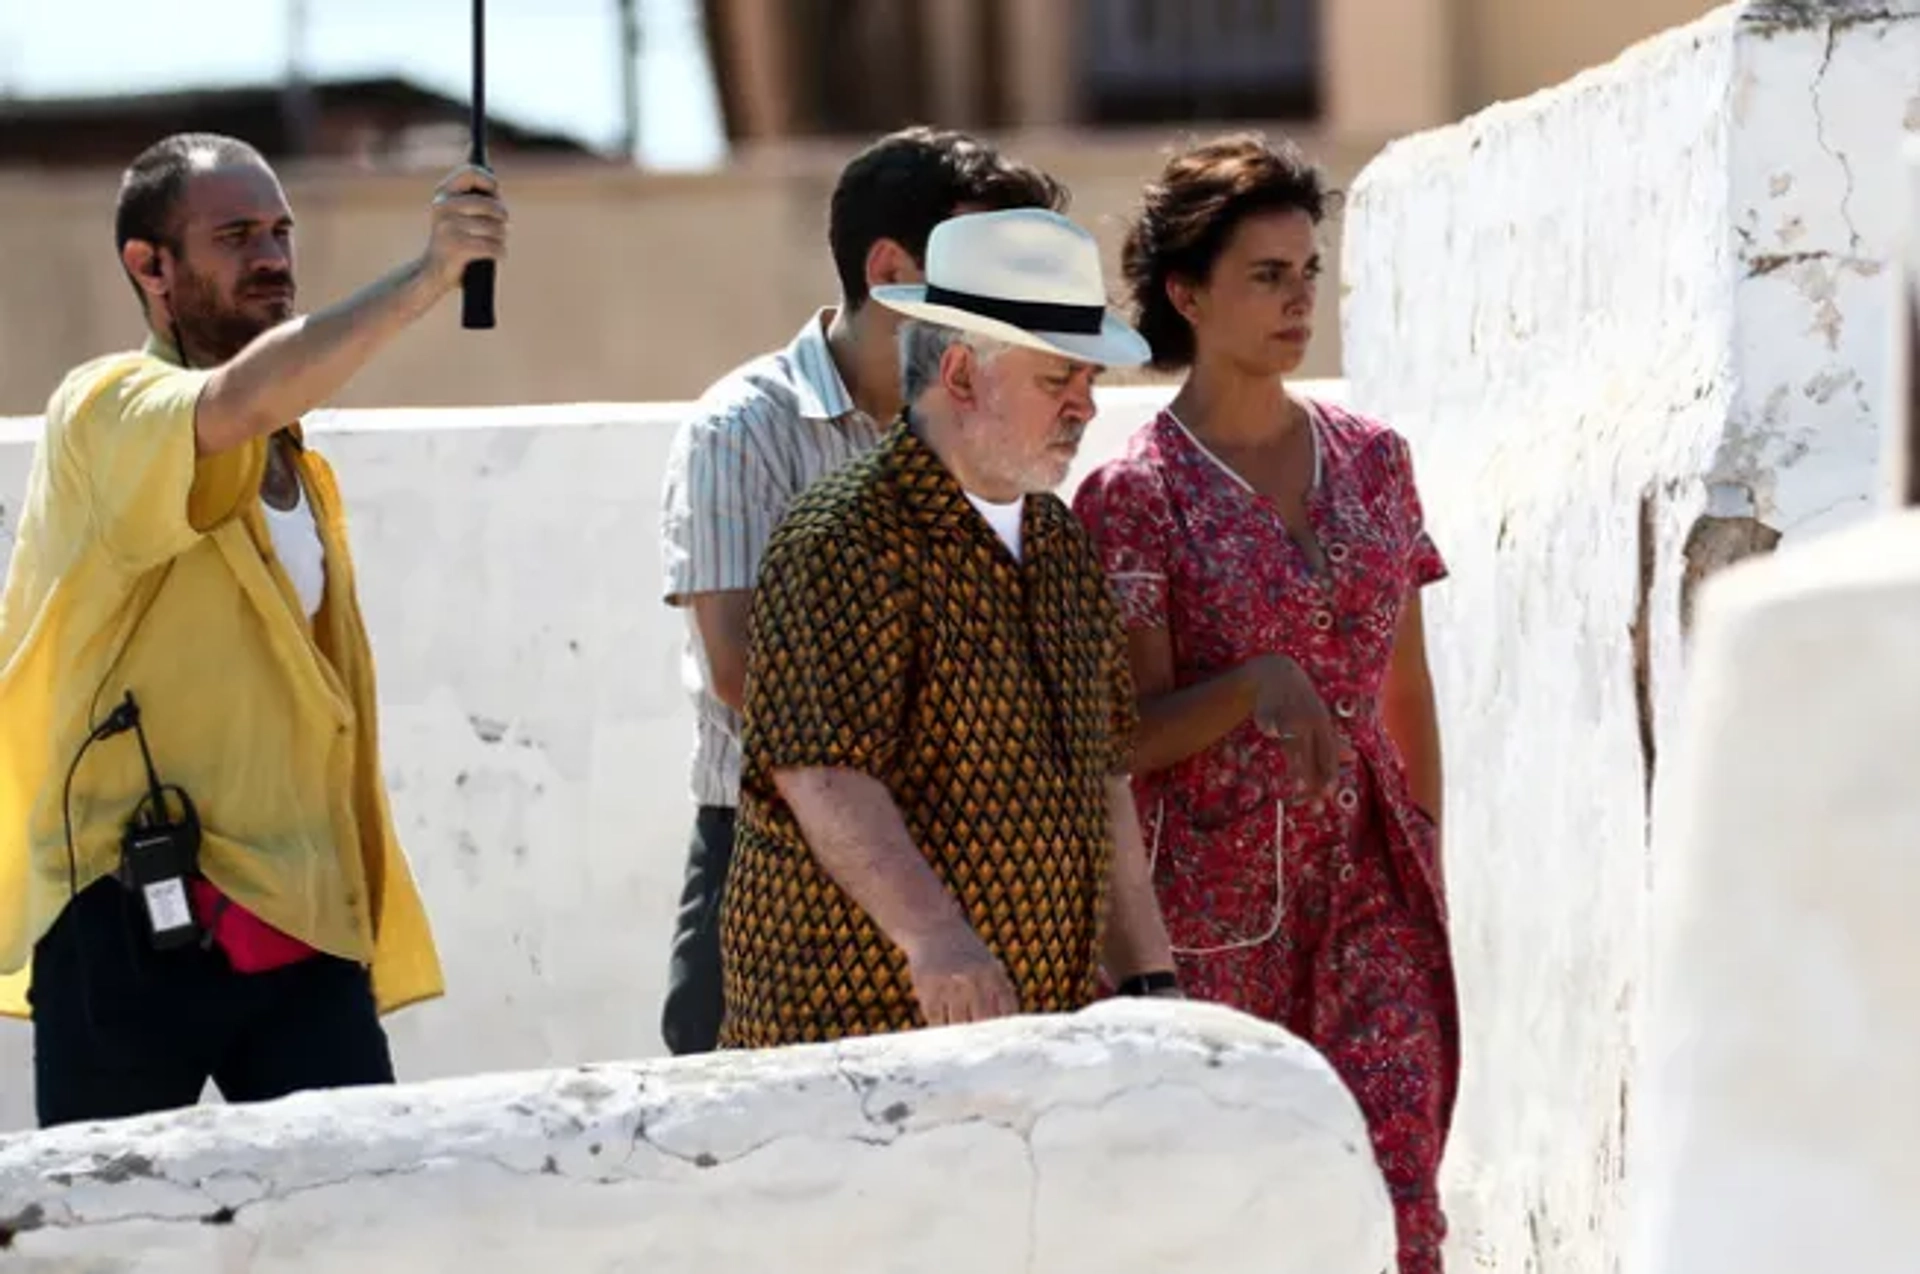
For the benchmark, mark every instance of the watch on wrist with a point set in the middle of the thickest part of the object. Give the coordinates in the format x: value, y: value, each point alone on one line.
x: 1149, y: 983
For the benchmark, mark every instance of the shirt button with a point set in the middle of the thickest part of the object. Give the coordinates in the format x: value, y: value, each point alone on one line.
x: 1336, y: 553
x: 1323, y: 620
x: 1348, y: 800
x: 1343, y: 706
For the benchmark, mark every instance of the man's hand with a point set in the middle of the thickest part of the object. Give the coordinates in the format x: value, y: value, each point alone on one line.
x: 469, y: 224
x: 1286, y: 707
x: 957, y: 979
x: 857, y: 833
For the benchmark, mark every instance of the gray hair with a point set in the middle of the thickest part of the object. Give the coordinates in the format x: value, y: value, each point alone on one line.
x: 924, y: 344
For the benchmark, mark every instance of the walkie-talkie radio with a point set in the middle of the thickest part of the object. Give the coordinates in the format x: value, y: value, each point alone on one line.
x: 159, y: 852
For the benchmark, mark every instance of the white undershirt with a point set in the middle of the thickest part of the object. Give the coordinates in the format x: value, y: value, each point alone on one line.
x: 1003, y: 518
x: 296, y: 542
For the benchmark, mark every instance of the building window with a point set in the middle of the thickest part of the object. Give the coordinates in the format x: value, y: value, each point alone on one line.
x: 1160, y: 61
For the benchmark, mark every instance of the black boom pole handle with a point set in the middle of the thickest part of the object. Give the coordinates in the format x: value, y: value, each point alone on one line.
x: 476, y: 295
x: 476, y: 281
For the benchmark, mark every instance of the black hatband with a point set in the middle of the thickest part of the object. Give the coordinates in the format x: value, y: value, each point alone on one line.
x: 1031, y: 316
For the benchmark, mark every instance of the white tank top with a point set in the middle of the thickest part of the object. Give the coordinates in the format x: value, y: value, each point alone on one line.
x: 296, y: 542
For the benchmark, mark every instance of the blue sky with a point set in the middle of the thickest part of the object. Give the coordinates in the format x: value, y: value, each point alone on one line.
x: 550, y: 63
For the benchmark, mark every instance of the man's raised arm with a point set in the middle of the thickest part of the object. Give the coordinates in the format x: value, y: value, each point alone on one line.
x: 297, y: 366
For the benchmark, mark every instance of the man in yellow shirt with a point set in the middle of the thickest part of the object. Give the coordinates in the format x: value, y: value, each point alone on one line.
x: 198, y: 870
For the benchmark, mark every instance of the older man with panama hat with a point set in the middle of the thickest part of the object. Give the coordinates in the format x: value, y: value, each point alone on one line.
x: 935, y: 822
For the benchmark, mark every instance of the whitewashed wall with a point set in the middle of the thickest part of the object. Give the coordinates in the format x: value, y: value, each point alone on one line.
x: 1131, y: 1139
x: 1634, y: 327
x: 1785, y: 1022
x: 535, y: 728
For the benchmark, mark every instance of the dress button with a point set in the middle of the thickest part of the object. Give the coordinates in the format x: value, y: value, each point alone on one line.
x: 1336, y: 553
x: 1343, y: 706
x: 1323, y: 620
x: 1348, y: 799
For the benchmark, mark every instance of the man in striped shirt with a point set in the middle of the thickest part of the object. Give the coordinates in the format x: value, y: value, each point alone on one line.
x: 757, y: 438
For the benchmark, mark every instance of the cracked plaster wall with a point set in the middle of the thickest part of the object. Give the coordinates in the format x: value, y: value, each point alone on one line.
x: 1634, y: 328
x: 534, y: 729
x: 1132, y: 1138
x: 1784, y: 941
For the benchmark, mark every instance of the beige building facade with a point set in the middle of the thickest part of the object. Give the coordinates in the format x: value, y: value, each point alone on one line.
x: 1353, y: 68
x: 627, y: 285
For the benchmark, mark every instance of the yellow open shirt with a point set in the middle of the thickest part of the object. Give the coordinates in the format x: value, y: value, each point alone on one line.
x: 268, y: 722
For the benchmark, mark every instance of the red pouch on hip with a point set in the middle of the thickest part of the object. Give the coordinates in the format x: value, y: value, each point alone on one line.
x: 251, y: 944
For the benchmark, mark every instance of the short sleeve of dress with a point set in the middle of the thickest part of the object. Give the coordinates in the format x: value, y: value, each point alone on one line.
x: 831, y: 654
x: 1425, y: 565
x: 1123, y: 506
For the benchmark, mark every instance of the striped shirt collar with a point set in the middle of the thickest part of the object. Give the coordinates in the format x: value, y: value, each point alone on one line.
x: 817, y: 385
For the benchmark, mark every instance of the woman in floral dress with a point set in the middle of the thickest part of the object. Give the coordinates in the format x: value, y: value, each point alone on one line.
x: 1268, y: 552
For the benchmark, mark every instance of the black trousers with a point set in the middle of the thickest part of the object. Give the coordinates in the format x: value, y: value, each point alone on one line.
x: 120, y: 1029
x: 690, y: 1019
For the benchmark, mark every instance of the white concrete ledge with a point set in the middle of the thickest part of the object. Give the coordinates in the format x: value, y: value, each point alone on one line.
x: 1132, y: 1137
x: 1778, y: 1111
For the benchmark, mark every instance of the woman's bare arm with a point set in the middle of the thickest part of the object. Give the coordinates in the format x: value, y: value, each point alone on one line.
x: 1412, y: 719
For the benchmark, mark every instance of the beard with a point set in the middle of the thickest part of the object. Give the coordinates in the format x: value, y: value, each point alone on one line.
x: 1033, y: 469
x: 214, y: 324
x: 1036, y: 473
x: 1045, y: 473
x: 1047, y: 470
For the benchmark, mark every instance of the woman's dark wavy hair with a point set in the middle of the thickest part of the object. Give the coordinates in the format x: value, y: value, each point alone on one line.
x: 1188, y: 213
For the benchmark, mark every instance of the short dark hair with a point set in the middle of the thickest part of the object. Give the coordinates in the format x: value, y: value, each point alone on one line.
x: 149, y: 204
x: 1189, y: 212
x: 906, y: 183
x: 151, y: 187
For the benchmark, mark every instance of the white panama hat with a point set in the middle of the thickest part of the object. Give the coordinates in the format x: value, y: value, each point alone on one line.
x: 1027, y: 276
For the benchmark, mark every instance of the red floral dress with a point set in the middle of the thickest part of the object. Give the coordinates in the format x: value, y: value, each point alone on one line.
x: 1327, y: 916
